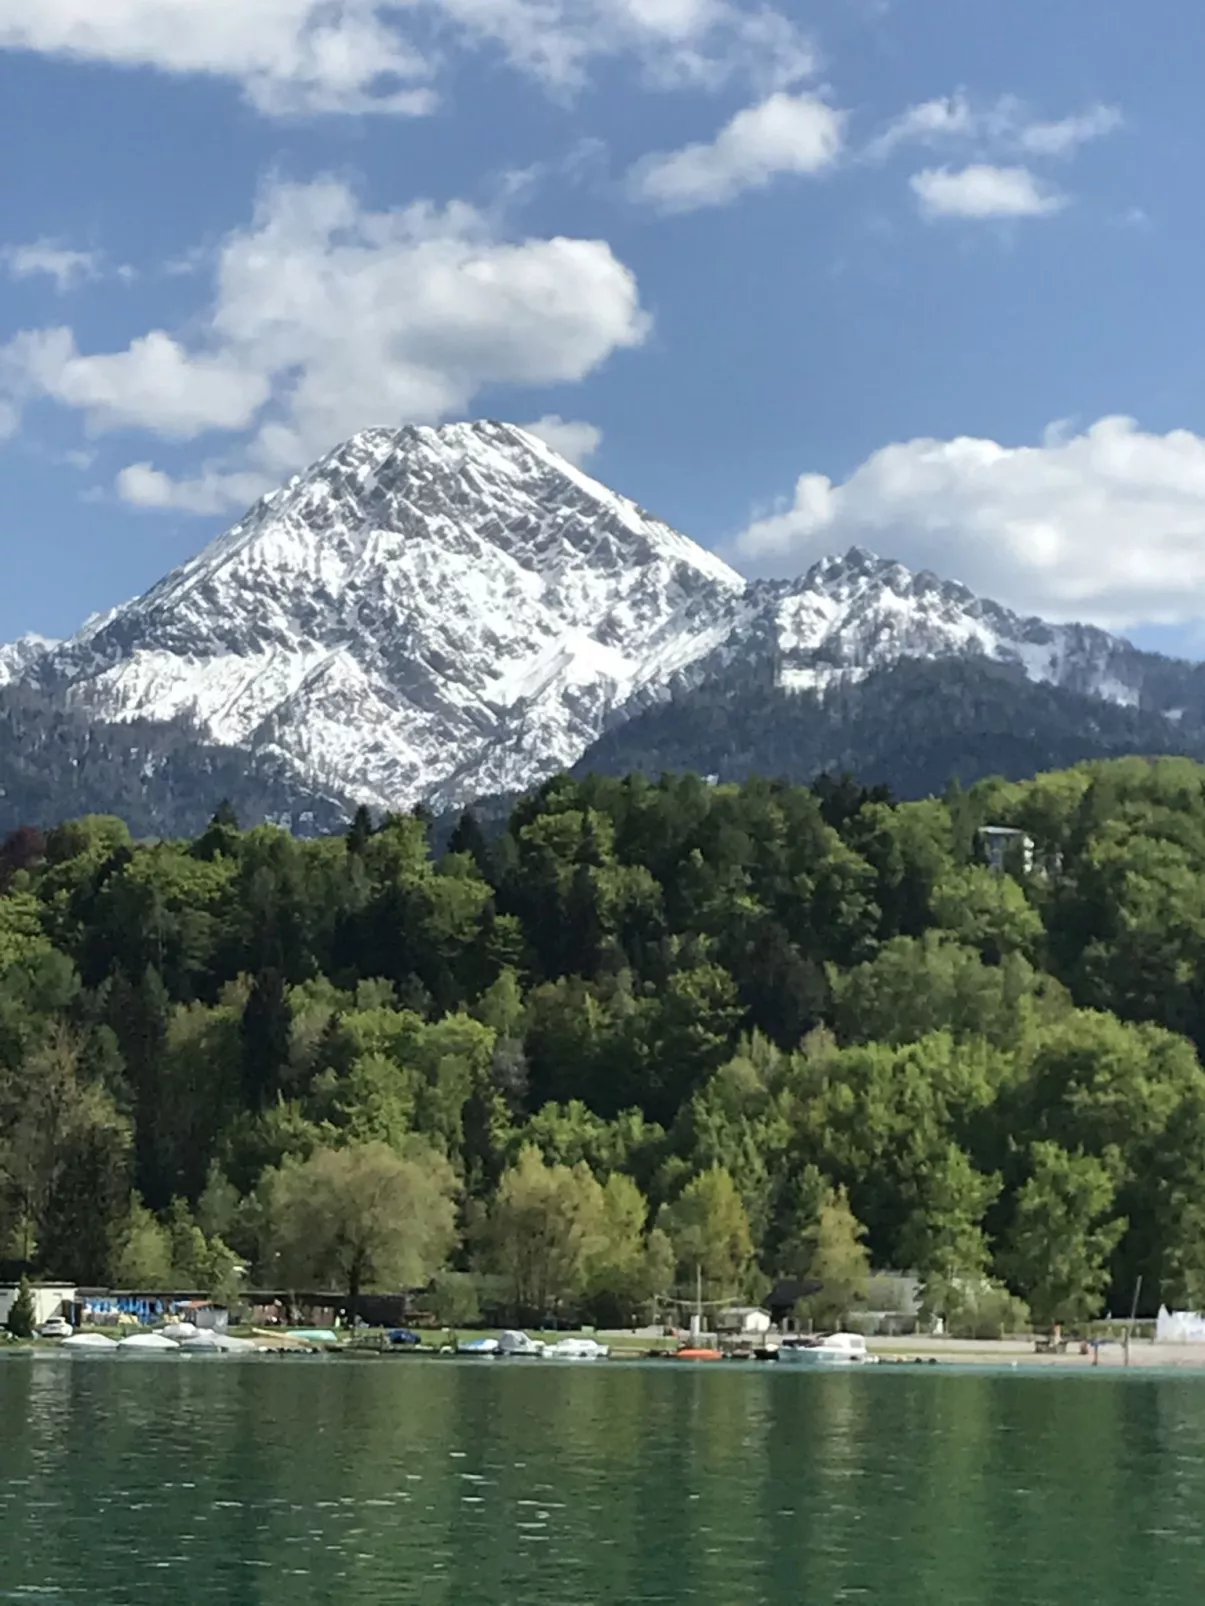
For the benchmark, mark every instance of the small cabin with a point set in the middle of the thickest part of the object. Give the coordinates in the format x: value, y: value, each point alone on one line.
x: 743, y: 1321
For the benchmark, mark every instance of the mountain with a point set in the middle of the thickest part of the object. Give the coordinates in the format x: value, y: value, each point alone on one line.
x: 426, y: 613
x: 440, y: 614
x: 913, y: 726
x: 848, y: 616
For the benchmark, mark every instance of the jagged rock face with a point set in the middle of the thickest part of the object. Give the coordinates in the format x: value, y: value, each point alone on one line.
x: 446, y: 613
x: 851, y: 615
x: 426, y: 612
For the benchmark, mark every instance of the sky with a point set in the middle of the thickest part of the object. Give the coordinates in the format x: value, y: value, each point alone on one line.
x: 918, y: 275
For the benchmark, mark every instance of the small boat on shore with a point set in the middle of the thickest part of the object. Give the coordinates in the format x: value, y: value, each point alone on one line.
x: 577, y: 1349
x: 515, y: 1344
x: 834, y: 1349
x: 696, y: 1353
x: 90, y: 1343
x: 149, y: 1344
x: 477, y: 1346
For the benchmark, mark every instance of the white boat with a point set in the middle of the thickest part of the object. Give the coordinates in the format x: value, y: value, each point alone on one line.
x: 835, y: 1349
x: 477, y: 1346
x: 207, y: 1343
x: 96, y: 1342
x: 149, y: 1343
x: 512, y: 1343
x: 577, y: 1349
x: 179, y: 1331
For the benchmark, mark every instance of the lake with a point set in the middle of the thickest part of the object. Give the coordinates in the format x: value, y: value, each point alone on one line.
x: 292, y: 1482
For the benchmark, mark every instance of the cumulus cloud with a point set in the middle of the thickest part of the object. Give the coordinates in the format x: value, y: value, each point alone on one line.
x: 784, y: 134
x: 289, y: 55
x: 43, y: 258
x: 378, y: 55
x: 328, y: 318
x: 984, y: 191
x: 1107, y: 525
x: 155, y: 383
x: 572, y: 438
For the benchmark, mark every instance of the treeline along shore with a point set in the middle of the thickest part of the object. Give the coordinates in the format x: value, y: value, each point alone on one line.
x: 652, y: 1038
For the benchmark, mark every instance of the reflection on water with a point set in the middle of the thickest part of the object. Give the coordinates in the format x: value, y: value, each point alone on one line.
x: 293, y: 1482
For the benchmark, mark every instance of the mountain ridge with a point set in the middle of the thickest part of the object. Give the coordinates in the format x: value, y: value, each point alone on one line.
x: 435, y: 614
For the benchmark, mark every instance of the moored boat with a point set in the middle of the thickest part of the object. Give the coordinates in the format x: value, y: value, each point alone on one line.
x: 95, y: 1343
x: 833, y: 1349
x: 513, y: 1343
x: 577, y: 1349
x: 149, y: 1344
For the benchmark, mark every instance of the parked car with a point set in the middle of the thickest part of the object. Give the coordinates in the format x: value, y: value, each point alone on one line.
x: 403, y: 1335
x: 56, y: 1327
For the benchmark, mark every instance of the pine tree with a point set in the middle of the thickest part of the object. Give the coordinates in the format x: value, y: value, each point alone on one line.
x: 267, y: 1029
x: 22, y: 1313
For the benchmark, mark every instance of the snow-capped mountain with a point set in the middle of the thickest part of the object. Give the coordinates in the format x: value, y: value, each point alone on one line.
x: 442, y: 613
x: 424, y: 613
x: 19, y: 657
x: 851, y: 615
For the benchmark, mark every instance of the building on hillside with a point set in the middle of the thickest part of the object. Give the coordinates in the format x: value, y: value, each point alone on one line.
x: 1007, y: 849
x: 49, y: 1299
x: 742, y: 1321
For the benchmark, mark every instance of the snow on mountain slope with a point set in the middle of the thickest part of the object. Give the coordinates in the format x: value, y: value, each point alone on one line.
x: 424, y: 612
x: 444, y: 613
x: 19, y: 657
x: 850, y: 615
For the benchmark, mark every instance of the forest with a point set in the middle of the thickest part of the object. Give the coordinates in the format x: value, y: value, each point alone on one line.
x: 650, y: 1032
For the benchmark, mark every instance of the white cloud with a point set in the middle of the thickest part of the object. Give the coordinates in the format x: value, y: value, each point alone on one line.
x: 1005, y: 127
x: 784, y: 134
x: 698, y: 43
x: 212, y: 491
x: 948, y: 118
x: 1066, y: 136
x: 44, y: 258
x: 379, y: 55
x: 1107, y: 525
x: 572, y: 438
x: 155, y: 383
x: 983, y: 191
x: 289, y: 55
x: 327, y: 319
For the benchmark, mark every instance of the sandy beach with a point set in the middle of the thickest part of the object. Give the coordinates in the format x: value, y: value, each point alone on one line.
x: 1021, y: 1351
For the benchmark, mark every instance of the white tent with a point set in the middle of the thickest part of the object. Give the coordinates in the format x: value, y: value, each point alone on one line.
x: 1179, y: 1327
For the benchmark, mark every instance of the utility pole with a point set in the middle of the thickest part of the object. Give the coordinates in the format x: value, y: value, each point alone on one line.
x: 1133, y: 1318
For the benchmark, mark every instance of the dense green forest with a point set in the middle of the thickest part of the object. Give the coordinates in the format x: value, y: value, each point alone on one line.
x: 650, y: 1029
x: 163, y: 779
x: 915, y: 726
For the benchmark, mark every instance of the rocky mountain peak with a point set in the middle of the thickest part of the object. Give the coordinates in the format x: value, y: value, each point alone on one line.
x: 441, y: 613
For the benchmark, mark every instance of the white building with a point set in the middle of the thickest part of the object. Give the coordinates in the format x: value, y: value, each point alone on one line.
x: 746, y: 1321
x: 49, y: 1299
x: 1007, y: 848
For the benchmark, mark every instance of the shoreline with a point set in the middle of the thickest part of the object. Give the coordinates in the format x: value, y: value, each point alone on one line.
x: 1145, y: 1354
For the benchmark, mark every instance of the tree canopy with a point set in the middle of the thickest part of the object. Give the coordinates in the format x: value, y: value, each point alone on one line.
x: 647, y: 1032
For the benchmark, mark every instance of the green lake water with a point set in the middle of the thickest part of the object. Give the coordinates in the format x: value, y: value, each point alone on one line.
x: 291, y: 1482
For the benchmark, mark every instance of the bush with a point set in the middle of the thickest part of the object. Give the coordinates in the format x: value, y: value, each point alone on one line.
x: 21, y: 1313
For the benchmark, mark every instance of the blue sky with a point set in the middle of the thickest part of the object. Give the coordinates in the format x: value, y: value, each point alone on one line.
x: 919, y: 274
